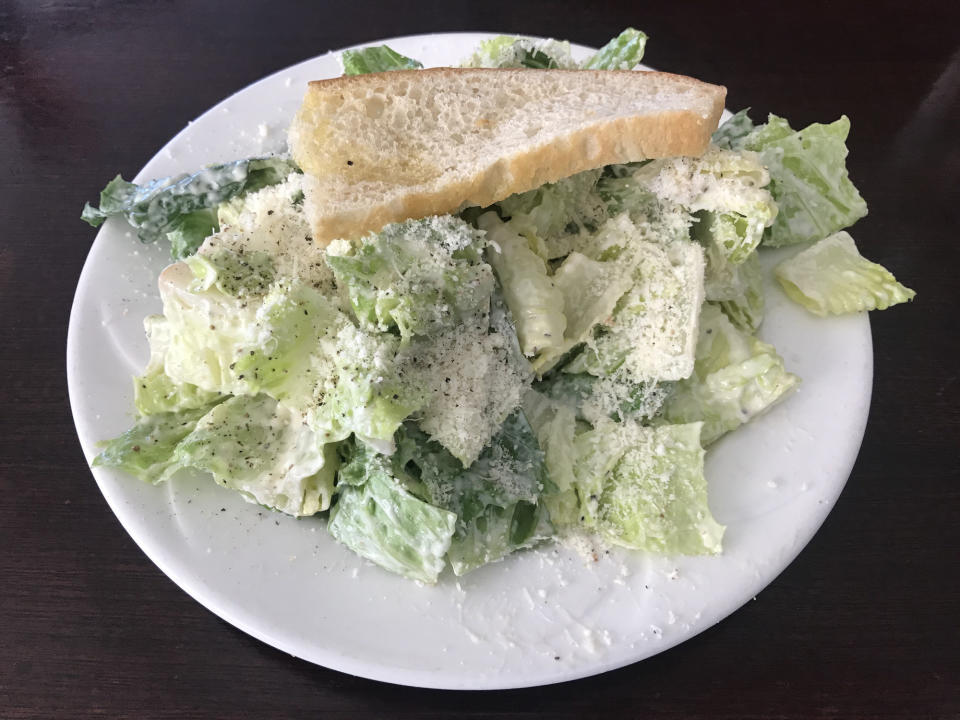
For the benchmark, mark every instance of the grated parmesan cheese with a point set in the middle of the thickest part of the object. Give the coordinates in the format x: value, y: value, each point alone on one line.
x: 472, y: 384
x: 271, y: 222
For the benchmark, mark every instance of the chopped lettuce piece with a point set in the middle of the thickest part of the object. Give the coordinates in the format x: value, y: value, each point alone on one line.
x: 293, y: 344
x: 232, y: 273
x: 621, y: 193
x: 207, y: 330
x: 180, y: 207
x: 496, y: 499
x: 731, y: 133
x: 596, y: 453
x: 146, y: 450
x: 472, y: 381
x: 497, y: 533
x: 615, y: 396
x: 727, y: 191
x: 154, y: 390
x: 590, y: 291
x: 471, y: 377
x: 502, y: 324
x: 736, y: 377
x: 655, y: 497
x: 510, y: 469
x: 555, y: 425
x: 510, y: 51
x: 264, y: 451
x: 247, y: 343
x: 187, y: 232
x: 419, y: 276
x: 745, y: 306
x: 724, y: 280
x: 831, y: 277
x: 379, y: 519
x: 362, y: 389
x: 379, y: 58
x: 731, y: 233
x: 624, y: 52
x: 621, y: 397
x: 263, y: 235
x: 644, y: 488
x: 559, y: 213
x: 283, y: 351
x: 737, y: 288
x: 536, y: 59
x: 230, y: 211
x: 808, y: 179
x: 535, y: 304
x: 652, y: 333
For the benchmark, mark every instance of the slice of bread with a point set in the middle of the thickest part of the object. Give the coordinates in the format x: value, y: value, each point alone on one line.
x: 386, y: 147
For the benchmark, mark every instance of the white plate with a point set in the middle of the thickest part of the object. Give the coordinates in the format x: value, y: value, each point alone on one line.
x: 539, y: 617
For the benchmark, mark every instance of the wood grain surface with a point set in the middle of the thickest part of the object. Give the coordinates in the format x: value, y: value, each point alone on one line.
x: 863, y: 625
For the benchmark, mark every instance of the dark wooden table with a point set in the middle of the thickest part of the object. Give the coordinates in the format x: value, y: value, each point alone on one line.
x: 863, y: 624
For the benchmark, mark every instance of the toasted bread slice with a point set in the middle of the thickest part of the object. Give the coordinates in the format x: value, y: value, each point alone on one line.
x: 386, y: 147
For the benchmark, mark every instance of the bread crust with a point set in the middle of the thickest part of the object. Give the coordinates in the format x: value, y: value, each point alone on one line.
x: 609, y: 140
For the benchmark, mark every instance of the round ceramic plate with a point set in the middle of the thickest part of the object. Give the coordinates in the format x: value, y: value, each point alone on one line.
x: 539, y: 617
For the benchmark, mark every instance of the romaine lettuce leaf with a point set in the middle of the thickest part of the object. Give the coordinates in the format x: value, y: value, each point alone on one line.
x: 624, y: 52
x: 831, y: 277
x: 652, y: 332
x: 472, y: 378
x: 264, y: 451
x: 496, y: 499
x: 738, y: 289
x: 419, y: 276
x: 644, y: 488
x: 596, y: 453
x: 726, y: 191
x: 264, y: 235
x: 511, y: 51
x: 293, y: 344
x: 557, y: 214
x: 497, y: 533
x: 808, y: 179
x: 379, y: 519
x: 555, y: 425
x: 187, y: 232
x: 207, y: 331
x: 146, y: 450
x: 246, y: 343
x: 251, y: 273
x: 535, y: 304
x: 736, y: 377
x: 180, y: 207
x: 745, y: 309
x: 615, y: 396
x: 510, y: 469
x: 620, y: 193
x: 287, y: 348
x: 379, y: 58
x: 655, y: 497
x: 154, y: 390
x: 362, y: 389
x: 731, y: 133
x: 655, y: 219
x: 590, y: 291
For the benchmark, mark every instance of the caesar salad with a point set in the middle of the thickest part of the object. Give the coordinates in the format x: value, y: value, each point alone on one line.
x: 450, y: 389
